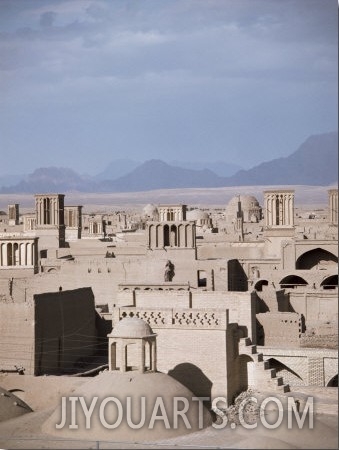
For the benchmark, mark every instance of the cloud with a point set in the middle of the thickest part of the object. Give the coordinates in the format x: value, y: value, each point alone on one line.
x: 47, y: 19
x: 179, y: 75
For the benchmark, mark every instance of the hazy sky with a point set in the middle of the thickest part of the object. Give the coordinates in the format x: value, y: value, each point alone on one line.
x: 83, y: 82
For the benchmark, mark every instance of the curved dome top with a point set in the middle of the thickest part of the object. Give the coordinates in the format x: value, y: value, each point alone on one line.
x: 247, y: 202
x: 153, y: 387
x: 132, y: 327
x: 150, y: 210
x: 249, y: 206
x: 196, y: 214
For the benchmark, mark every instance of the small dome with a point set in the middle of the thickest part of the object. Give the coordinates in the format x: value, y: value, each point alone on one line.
x: 150, y: 210
x: 247, y: 201
x: 196, y: 214
x: 249, y: 206
x: 132, y: 327
x: 152, y: 387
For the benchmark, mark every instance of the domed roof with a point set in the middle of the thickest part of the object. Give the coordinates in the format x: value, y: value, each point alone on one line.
x: 150, y: 210
x: 155, y: 388
x: 247, y: 202
x: 196, y: 214
x: 132, y: 327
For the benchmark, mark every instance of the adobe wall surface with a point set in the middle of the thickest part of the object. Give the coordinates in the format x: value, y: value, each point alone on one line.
x: 17, y: 337
x: 240, y: 305
x: 305, y: 367
x: 192, y: 346
x: 231, y: 250
x: 169, y: 299
x: 197, y: 352
x: 281, y: 328
x: 316, y: 305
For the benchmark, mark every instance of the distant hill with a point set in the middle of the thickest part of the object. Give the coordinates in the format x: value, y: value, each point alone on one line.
x: 315, y: 163
x: 156, y: 174
x: 121, y: 167
x: 220, y: 168
x: 10, y: 180
x: 116, y: 169
x: 52, y: 179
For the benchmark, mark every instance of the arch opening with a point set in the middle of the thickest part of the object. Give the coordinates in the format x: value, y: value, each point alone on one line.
x: 292, y: 282
x: 333, y: 381
x: 330, y: 282
x: 259, y: 284
x: 317, y: 257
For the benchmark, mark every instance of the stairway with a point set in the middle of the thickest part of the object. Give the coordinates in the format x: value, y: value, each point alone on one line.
x: 266, y: 378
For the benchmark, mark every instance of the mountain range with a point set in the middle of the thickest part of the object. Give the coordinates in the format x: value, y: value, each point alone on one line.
x: 314, y: 163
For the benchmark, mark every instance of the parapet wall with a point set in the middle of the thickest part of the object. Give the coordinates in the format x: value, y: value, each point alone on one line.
x: 193, y: 346
x: 207, y: 318
x: 240, y: 305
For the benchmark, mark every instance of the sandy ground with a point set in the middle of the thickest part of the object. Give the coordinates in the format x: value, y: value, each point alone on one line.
x: 44, y: 393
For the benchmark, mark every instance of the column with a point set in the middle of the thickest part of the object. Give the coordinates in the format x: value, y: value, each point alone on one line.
x: 281, y: 209
x: 123, y: 356
x: 5, y: 258
x: 26, y: 253
x: 56, y: 212
x: 288, y: 212
x: 335, y: 208
x: 29, y: 255
x: 160, y: 232
x: 153, y: 356
x: 274, y: 209
x: 39, y: 209
x: 292, y: 209
x: 142, y: 356
x: 13, y: 254
x: 112, y: 355
x: 32, y: 253
x: 154, y: 237
x: 22, y: 254
x: 150, y: 235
